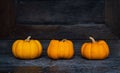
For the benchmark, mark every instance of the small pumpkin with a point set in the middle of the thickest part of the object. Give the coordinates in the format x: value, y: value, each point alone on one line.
x: 27, y: 49
x: 60, y: 49
x: 95, y: 49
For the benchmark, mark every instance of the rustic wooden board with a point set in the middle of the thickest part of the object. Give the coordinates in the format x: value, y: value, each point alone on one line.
x: 112, y: 15
x: 43, y: 64
x: 60, y: 11
x: 7, y: 17
x: 60, y: 28
x: 78, y: 31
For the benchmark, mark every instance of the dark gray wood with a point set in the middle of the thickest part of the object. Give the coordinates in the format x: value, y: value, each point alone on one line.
x: 60, y: 11
x: 43, y: 64
x: 7, y: 17
x: 78, y: 31
x: 112, y: 15
x: 58, y: 30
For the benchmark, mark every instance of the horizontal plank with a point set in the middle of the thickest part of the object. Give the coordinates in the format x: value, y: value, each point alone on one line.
x: 78, y: 31
x: 70, y: 11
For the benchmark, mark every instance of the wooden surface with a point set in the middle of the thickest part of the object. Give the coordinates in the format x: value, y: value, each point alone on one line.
x: 112, y: 15
x: 43, y: 64
x: 9, y: 29
x: 78, y: 31
x: 7, y: 17
x: 60, y: 11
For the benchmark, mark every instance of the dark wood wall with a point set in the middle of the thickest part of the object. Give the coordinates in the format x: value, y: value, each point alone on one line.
x: 112, y: 15
x: 10, y: 29
x: 63, y: 12
x: 7, y: 17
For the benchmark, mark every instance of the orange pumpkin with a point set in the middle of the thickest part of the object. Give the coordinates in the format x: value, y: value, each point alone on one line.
x: 95, y: 49
x: 60, y: 49
x: 27, y: 49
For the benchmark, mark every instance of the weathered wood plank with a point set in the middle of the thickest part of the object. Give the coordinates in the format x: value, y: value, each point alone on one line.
x: 7, y: 17
x: 112, y: 15
x: 78, y: 31
x: 60, y: 11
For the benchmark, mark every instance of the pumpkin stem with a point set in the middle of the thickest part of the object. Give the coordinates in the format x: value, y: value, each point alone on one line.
x: 63, y: 40
x: 28, y: 38
x: 93, y: 40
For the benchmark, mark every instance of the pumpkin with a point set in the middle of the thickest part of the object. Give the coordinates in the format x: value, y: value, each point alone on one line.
x: 27, y: 49
x: 60, y: 49
x: 95, y: 49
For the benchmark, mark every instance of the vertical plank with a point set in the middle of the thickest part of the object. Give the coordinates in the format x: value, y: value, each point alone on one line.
x: 7, y: 17
x: 112, y: 15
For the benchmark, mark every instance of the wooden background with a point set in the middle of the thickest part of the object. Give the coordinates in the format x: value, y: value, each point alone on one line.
x: 55, y: 20
x: 112, y: 15
x: 7, y: 17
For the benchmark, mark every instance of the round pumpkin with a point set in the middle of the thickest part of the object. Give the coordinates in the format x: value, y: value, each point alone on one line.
x: 27, y: 49
x: 95, y: 49
x: 60, y: 49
